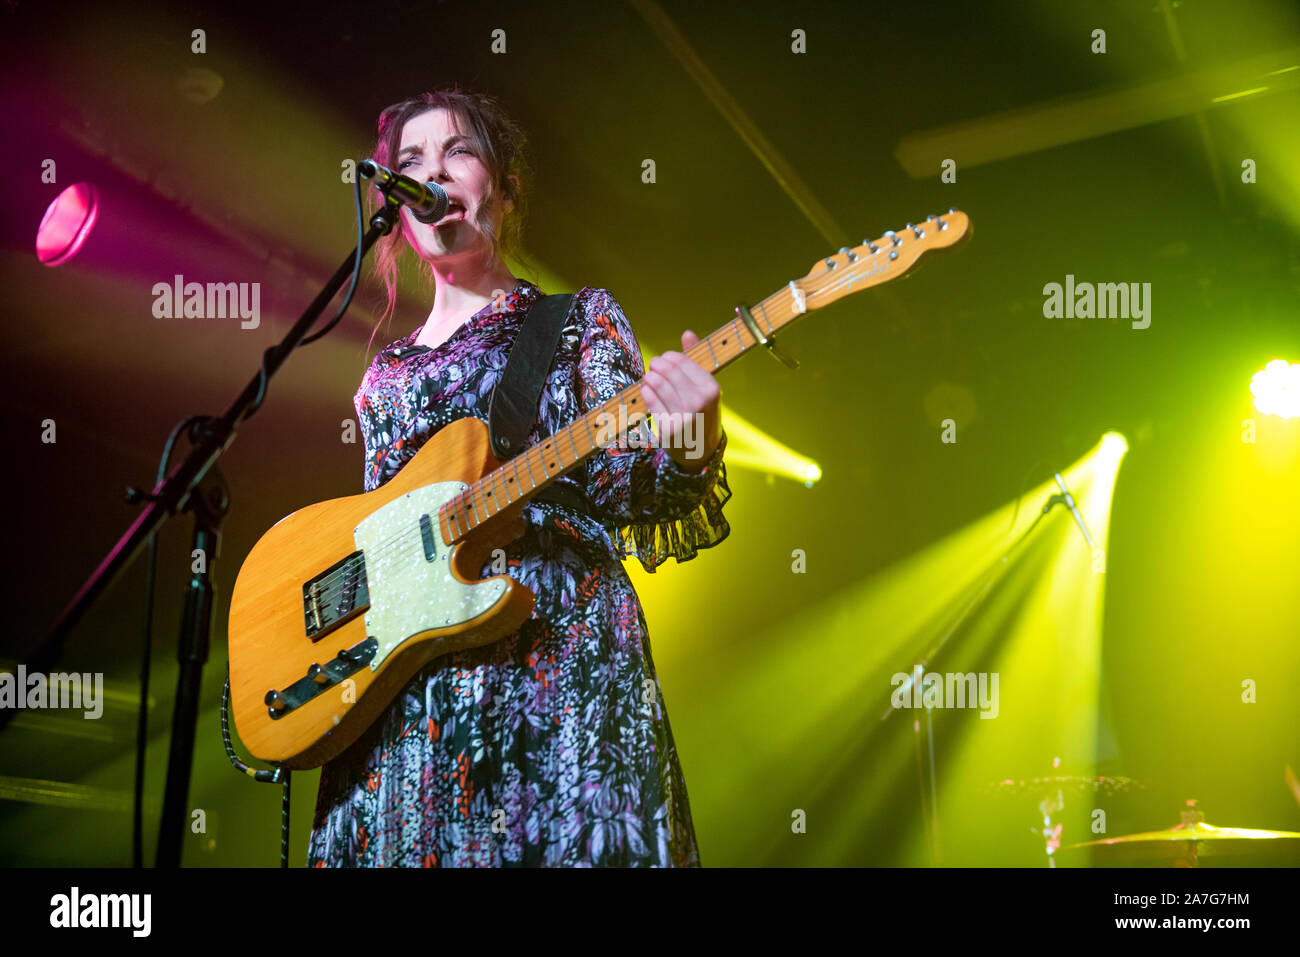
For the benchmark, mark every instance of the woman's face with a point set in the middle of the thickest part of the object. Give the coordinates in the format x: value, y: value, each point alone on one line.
x: 432, y: 149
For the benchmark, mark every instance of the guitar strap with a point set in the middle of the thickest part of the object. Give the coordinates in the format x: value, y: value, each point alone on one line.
x: 513, y: 408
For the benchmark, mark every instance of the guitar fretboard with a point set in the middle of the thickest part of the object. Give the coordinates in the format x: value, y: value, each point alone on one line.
x: 539, y: 466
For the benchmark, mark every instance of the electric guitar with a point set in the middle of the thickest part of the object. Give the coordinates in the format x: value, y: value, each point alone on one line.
x: 341, y: 603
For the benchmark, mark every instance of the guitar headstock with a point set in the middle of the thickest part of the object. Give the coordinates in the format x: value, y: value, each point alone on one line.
x: 877, y: 261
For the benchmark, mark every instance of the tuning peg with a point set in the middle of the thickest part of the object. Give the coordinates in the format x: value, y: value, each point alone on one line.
x: 853, y: 257
x: 871, y: 246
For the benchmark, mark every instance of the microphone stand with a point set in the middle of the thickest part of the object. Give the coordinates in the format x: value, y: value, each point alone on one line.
x: 931, y: 812
x: 196, y: 486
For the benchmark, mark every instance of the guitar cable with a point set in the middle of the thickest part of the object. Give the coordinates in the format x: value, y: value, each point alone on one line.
x: 191, y: 424
x: 279, y: 775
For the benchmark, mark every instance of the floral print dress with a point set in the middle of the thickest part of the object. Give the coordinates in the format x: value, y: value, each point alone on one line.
x: 550, y: 747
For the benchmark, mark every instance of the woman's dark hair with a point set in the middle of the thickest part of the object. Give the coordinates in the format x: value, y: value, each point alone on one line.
x: 498, y: 141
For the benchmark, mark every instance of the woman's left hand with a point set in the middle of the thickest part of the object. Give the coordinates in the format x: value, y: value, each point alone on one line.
x: 680, y: 394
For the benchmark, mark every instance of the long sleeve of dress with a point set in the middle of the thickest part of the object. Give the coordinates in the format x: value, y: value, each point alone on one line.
x: 655, y: 509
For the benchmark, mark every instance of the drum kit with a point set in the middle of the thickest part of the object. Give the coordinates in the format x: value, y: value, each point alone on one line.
x: 1188, y: 844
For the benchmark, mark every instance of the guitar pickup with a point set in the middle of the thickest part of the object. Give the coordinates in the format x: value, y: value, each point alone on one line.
x: 335, y: 596
x: 321, y: 677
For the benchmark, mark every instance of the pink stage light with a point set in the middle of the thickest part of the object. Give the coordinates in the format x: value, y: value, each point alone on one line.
x: 67, y: 223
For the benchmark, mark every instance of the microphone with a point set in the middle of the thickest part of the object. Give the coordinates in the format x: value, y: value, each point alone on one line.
x: 1068, y: 499
x: 428, y: 202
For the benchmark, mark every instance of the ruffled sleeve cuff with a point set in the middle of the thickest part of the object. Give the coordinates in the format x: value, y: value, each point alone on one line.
x: 690, y: 504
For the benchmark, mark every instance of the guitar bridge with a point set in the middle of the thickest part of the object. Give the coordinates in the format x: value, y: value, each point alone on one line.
x: 320, y: 677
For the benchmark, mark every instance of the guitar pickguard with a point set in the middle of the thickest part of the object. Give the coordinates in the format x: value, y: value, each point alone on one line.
x: 410, y: 592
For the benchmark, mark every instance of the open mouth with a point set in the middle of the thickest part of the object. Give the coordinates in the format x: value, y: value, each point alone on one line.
x: 454, y: 211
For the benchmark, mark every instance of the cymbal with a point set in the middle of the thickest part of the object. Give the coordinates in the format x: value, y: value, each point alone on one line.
x: 1196, y: 839
x: 1044, y: 787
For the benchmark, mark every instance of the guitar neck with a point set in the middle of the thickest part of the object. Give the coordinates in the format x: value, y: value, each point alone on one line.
x: 539, y: 466
x: 851, y: 270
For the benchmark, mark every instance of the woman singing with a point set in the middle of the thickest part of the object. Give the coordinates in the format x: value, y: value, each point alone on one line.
x: 550, y: 747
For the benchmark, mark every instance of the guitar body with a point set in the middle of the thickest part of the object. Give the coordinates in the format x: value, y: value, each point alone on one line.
x: 341, y: 603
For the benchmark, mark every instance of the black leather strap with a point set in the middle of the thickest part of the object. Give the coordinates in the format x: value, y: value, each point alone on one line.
x: 564, y: 492
x: 512, y: 410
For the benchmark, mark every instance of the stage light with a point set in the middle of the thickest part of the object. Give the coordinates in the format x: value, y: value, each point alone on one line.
x: 67, y: 223
x: 1035, y: 621
x: 1276, y: 389
x: 750, y: 447
x: 1237, y: 96
x: 1113, y: 447
x: 199, y: 85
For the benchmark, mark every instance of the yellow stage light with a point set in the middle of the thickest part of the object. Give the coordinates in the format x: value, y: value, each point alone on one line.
x: 1276, y: 389
x: 1113, y: 448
